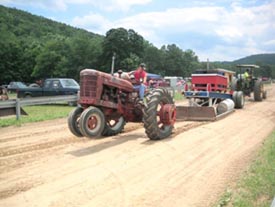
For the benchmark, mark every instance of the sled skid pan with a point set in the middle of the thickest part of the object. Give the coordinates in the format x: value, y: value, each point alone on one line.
x: 195, y: 113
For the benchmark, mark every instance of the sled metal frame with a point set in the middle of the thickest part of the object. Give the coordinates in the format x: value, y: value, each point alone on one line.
x: 205, y: 110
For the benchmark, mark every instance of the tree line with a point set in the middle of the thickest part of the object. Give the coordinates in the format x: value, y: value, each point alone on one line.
x: 33, y: 47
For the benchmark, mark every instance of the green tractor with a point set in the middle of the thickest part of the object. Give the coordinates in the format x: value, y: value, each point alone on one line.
x: 248, y: 83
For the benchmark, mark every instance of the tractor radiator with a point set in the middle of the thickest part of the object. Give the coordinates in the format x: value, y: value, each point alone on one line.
x: 88, y: 85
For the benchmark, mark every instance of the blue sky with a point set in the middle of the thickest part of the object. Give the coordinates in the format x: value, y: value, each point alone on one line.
x: 215, y: 29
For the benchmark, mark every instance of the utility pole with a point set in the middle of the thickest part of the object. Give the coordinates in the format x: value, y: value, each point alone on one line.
x: 113, y: 63
x: 207, y: 64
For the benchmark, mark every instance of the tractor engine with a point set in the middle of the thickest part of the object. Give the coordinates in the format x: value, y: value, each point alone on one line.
x: 115, y: 96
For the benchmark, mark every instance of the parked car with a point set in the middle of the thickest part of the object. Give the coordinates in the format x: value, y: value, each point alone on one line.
x: 34, y: 85
x: 50, y: 87
x: 155, y: 81
x: 175, y: 81
x: 14, y: 86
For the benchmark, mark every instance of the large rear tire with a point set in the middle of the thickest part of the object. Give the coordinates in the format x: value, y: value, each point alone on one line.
x: 258, y: 89
x: 73, y: 121
x: 154, y: 127
x: 113, y: 126
x: 92, y: 122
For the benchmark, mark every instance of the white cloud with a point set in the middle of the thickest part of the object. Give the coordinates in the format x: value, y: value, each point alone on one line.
x: 233, y: 32
x: 123, y: 5
x: 93, y: 22
x: 270, y: 42
x: 56, y: 5
x: 62, y: 5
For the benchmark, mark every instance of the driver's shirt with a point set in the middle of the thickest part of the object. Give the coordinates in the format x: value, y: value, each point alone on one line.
x: 139, y: 76
x: 246, y: 75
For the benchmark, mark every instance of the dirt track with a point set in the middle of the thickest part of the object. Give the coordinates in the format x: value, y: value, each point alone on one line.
x: 42, y: 164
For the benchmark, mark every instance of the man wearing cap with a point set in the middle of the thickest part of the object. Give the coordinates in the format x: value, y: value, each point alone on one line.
x: 140, y: 76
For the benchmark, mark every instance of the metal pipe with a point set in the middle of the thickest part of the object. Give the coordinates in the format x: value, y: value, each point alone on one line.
x: 113, y: 63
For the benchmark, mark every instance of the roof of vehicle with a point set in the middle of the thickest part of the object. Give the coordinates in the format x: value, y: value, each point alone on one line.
x: 217, y: 70
x: 59, y: 79
x: 173, y: 77
x: 153, y: 76
x: 247, y: 66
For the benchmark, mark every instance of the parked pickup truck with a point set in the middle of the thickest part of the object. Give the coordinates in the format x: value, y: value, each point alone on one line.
x: 51, y: 87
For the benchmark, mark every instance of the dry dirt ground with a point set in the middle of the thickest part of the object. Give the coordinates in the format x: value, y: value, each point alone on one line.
x: 44, y: 165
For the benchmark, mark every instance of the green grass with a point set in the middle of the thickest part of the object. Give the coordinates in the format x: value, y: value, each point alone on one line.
x: 178, y: 96
x: 12, y: 95
x: 37, y: 113
x: 257, y: 186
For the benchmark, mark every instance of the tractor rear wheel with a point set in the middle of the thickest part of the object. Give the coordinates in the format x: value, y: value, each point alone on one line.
x: 113, y: 126
x: 92, y: 122
x: 159, y: 114
x: 258, y: 89
x: 73, y: 121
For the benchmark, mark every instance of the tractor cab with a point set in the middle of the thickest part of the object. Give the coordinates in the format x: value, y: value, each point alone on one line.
x: 248, y: 83
x: 246, y: 76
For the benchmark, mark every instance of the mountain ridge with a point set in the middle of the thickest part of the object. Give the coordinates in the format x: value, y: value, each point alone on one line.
x: 267, y: 58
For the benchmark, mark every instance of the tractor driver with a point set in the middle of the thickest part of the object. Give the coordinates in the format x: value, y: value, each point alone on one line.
x: 246, y: 74
x: 140, y: 77
x: 247, y: 77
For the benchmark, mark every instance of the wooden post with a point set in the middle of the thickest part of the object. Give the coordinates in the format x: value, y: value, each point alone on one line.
x: 18, y: 109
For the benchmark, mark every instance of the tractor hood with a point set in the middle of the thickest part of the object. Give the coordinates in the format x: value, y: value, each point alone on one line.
x: 108, y: 79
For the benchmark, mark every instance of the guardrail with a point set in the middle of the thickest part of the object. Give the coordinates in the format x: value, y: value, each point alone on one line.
x: 14, y: 106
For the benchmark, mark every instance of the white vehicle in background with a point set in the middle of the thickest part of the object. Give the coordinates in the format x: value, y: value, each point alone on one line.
x: 175, y: 82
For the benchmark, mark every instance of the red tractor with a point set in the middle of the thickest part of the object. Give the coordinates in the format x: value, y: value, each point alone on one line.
x: 107, y: 102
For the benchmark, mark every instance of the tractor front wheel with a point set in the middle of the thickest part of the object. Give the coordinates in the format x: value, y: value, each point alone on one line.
x: 159, y: 114
x: 73, y: 121
x: 113, y: 126
x: 238, y: 98
x: 92, y: 122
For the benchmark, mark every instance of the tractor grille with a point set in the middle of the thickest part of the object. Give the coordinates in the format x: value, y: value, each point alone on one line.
x: 88, y: 86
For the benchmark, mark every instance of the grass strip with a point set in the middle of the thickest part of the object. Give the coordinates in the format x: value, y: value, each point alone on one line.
x: 257, y: 186
x: 37, y: 113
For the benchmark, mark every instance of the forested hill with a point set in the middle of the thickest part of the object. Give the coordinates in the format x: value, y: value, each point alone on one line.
x: 259, y: 58
x: 25, y: 25
x: 265, y: 61
x: 33, y: 47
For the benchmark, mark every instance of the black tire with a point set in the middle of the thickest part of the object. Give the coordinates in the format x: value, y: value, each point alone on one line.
x: 92, y: 122
x: 258, y: 90
x: 154, y: 129
x: 234, y: 97
x: 240, y: 100
x: 27, y: 96
x: 234, y: 84
x: 113, y: 127
x: 73, y: 121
